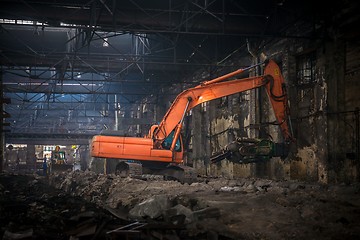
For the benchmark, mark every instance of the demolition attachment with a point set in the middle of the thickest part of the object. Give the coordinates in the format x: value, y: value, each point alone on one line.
x: 251, y: 150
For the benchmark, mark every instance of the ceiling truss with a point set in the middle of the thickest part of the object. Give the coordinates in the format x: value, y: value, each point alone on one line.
x: 70, y: 66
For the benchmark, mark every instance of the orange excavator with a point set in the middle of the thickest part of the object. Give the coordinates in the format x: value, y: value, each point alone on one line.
x: 163, y: 144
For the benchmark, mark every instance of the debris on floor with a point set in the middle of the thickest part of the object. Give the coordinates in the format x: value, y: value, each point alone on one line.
x: 85, y: 205
x: 32, y: 209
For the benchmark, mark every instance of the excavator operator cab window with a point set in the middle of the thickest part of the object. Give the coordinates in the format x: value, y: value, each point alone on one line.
x: 167, y: 142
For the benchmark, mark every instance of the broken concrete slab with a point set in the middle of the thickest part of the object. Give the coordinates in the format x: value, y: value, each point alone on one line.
x: 179, y: 215
x: 152, y: 207
x: 25, y: 234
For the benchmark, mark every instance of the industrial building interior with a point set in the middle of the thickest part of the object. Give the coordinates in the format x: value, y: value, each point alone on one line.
x: 195, y: 119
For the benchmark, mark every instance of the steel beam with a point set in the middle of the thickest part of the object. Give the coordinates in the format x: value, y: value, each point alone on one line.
x: 138, y: 18
x: 45, y: 139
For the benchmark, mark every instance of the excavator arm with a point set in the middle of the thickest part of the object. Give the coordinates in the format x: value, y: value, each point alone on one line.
x: 272, y: 80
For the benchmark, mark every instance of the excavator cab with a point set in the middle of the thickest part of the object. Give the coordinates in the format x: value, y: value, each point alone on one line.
x: 166, y: 144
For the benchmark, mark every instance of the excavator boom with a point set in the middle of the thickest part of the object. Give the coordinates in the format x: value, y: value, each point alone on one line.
x: 217, y: 88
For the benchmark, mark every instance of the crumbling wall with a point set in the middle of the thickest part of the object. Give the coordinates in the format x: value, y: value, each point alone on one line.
x: 324, y: 115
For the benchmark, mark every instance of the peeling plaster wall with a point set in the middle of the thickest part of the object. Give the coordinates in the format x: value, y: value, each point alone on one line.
x: 304, y: 166
x: 321, y: 152
x: 308, y: 159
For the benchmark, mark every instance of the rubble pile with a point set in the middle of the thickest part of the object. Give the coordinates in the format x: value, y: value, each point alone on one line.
x: 84, y: 204
x: 227, y: 209
x: 31, y: 209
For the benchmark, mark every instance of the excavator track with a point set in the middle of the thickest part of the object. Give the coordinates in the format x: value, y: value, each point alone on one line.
x: 181, y: 173
x: 125, y: 169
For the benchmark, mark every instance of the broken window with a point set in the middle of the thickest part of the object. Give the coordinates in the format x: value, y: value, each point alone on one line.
x: 305, y: 97
x: 305, y: 68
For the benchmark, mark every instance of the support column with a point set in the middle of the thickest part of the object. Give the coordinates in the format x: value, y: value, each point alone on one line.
x: 117, y: 109
x: 2, y: 136
x: 336, y: 103
x: 4, y: 115
x: 31, y: 157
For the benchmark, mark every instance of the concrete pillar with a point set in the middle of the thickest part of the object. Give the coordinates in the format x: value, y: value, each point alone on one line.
x: 2, y: 151
x: 2, y: 136
x: 336, y: 96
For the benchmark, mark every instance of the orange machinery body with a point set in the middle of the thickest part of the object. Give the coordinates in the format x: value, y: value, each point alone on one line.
x: 151, y: 147
x: 132, y: 148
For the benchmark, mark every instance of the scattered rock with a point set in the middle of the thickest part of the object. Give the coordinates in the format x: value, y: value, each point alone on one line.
x: 210, y: 212
x: 250, y: 188
x: 230, y: 189
x: 308, y: 212
x: 152, y: 207
x: 26, y: 234
x: 179, y: 215
x: 282, y: 201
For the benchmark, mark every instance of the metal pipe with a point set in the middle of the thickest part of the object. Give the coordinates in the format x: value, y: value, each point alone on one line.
x: 116, y: 127
x: 226, y: 76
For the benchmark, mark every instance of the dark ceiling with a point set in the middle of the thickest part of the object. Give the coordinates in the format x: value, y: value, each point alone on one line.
x: 68, y: 65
